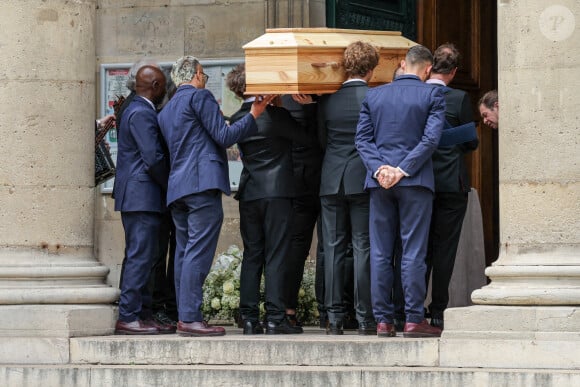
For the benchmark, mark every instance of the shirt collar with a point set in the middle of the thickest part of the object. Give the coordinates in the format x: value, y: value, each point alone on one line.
x: 149, y: 102
x: 435, y: 82
x: 354, y: 80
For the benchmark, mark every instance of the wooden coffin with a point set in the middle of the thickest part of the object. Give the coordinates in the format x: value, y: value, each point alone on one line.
x: 309, y: 60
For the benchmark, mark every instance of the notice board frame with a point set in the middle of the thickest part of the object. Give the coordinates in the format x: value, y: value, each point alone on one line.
x: 112, y: 79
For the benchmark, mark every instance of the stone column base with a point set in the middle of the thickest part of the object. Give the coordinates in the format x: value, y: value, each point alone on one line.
x: 511, y: 337
x: 39, y: 334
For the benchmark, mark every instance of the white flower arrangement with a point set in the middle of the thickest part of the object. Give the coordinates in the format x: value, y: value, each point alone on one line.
x: 221, y: 290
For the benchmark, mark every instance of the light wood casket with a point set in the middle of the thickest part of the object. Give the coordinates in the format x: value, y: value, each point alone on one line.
x: 309, y: 60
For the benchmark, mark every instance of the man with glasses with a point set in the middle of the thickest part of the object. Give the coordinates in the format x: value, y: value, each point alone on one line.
x: 197, y: 137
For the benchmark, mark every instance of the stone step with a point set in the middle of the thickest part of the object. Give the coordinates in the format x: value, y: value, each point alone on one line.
x: 313, y: 348
x: 279, y: 376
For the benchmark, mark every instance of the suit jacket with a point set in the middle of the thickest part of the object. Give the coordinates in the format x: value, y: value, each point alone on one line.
x: 306, y: 158
x: 267, y: 156
x: 448, y: 162
x: 141, y: 162
x: 197, y: 137
x: 122, y: 109
x: 337, y: 121
x: 400, y: 125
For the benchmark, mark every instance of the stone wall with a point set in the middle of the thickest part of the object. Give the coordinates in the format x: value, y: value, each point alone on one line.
x: 127, y: 30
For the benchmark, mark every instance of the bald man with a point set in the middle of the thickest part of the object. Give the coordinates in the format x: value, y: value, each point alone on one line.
x: 140, y: 182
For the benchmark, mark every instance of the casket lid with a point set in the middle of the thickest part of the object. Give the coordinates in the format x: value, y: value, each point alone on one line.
x: 327, y: 37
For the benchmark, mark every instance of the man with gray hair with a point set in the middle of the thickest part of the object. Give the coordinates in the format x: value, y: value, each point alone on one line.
x: 197, y: 137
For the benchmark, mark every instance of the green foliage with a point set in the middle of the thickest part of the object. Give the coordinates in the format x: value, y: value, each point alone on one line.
x: 221, y: 291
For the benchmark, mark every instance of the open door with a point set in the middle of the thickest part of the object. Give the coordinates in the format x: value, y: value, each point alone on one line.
x: 472, y: 26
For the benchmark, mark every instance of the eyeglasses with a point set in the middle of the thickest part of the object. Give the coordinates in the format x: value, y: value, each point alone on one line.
x: 205, y: 77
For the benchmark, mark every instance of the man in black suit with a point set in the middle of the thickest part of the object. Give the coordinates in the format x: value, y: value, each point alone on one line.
x: 265, y: 201
x: 344, y: 201
x: 451, y: 184
x: 306, y: 161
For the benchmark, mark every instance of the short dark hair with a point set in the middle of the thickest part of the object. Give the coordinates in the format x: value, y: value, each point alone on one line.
x: 236, y: 80
x: 445, y: 58
x: 489, y: 99
x: 360, y: 58
x: 398, y: 71
x: 418, y: 55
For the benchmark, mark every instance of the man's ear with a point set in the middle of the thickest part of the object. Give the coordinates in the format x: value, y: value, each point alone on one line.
x: 495, y: 105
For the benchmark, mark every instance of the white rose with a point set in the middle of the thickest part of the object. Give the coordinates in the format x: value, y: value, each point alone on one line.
x: 216, y: 304
x: 228, y: 287
x: 234, y: 302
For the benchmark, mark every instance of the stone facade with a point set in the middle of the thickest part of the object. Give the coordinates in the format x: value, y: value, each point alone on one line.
x: 530, y: 311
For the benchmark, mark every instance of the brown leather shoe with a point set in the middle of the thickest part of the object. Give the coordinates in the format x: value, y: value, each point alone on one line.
x: 422, y: 329
x: 386, y: 330
x: 164, y: 329
x: 199, y: 328
x: 137, y: 327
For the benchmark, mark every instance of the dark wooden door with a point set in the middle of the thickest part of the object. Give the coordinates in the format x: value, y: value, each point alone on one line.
x: 472, y: 26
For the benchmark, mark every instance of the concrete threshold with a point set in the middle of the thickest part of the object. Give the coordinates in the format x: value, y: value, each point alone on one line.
x: 236, y: 375
x: 313, y: 348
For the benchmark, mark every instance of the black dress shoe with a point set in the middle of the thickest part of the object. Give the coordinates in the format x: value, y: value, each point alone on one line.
x: 437, y: 322
x: 282, y: 327
x: 334, y: 328
x: 252, y: 328
x: 350, y: 323
x: 367, y: 328
x: 293, y: 320
x: 137, y: 327
x: 163, y: 318
x: 399, y: 324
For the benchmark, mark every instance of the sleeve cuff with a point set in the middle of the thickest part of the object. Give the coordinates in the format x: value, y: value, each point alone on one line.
x: 403, y: 172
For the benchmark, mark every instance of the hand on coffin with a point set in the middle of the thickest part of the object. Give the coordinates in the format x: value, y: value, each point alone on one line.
x: 302, y: 99
x: 260, y: 104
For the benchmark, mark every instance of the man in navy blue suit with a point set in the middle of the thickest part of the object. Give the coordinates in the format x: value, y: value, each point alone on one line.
x: 139, y: 185
x: 197, y: 137
x: 399, y: 128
